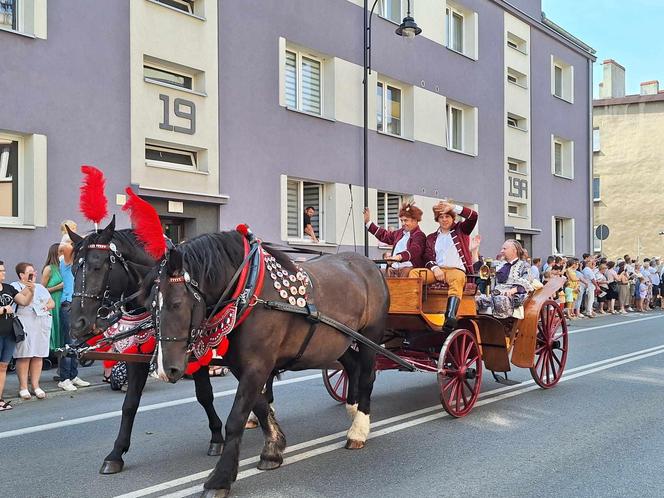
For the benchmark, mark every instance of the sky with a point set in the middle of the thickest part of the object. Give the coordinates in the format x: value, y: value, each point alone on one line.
x: 630, y: 32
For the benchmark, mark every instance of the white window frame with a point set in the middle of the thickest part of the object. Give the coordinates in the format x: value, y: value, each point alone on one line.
x: 566, y: 81
x: 567, y: 150
x: 569, y: 226
x: 19, y: 219
x: 449, y: 14
x: 516, y: 43
x: 167, y: 165
x: 158, y: 67
x: 385, y: 85
x: 188, y: 6
x: 517, y: 78
x: 596, y: 140
x: 597, y: 244
x: 450, y: 131
x: 521, y: 166
x: 599, y: 189
x: 298, y: 80
x: 382, y: 8
x: 521, y: 209
x: 517, y: 122
x: 300, y: 238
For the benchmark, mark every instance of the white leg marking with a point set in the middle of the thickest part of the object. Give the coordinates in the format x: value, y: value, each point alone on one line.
x: 351, y: 410
x: 160, y: 365
x: 359, y: 430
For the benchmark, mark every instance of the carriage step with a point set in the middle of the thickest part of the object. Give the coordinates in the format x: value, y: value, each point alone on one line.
x: 504, y: 380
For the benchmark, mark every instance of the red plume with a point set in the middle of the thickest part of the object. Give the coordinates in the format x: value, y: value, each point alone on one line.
x: 145, y: 220
x: 243, y: 229
x: 93, y: 202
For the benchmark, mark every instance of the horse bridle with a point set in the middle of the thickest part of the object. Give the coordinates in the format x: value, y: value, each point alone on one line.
x: 107, y: 307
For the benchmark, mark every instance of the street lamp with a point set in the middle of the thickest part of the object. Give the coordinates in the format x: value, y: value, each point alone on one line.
x: 408, y: 29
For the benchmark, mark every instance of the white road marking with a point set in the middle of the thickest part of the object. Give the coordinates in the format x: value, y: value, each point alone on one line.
x: 485, y: 399
x: 230, y: 392
x: 145, y: 408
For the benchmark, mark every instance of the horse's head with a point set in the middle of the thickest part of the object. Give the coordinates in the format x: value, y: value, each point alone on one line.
x: 179, y: 309
x: 101, y: 275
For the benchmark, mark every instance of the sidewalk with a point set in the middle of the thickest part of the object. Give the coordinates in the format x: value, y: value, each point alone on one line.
x: 93, y: 374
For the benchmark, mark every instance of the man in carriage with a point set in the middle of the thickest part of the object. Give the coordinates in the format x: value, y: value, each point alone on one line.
x: 447, y: 255
x: 407, y: 242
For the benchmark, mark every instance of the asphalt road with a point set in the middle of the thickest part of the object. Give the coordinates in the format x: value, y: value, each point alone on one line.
x: 598, y: 433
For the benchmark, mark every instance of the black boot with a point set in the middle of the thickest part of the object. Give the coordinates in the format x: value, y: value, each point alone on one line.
x: 451, y: 314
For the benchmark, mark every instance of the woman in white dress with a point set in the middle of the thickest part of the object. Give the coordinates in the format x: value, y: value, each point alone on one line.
x: 36, y: 320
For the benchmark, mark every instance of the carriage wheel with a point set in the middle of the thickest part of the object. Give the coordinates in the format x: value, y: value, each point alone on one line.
x: 551, y: 348
x: 459, y: 373
x: 336, y: 383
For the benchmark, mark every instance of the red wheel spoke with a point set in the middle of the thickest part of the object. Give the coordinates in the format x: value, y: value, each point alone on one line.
x: 554, y: 372
x: 339, y: 381
x: 557, y: 360
x: 470, y: 388
x: 449, y: 384
x: 474, y: 359
x: 463, y: 394
x: 458, y: 398
x: 468, y: 350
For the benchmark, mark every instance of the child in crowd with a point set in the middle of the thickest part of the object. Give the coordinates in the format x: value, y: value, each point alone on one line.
x: 643, y: 294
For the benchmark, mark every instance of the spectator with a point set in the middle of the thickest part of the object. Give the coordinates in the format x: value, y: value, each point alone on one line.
x: 52, y: 280
x: 309, y: 213
x: 656, y: 281
x: 8, y: 296
x: 535, y: 269
x: 547, y: 265
x: 583, y: 286
x: 611, y: 280
x: 589, y: 274
x: 571, y: 288
x: 36, y: 320
x: 623, y: 287
x: 641, y: 299
x: 68, y: 367
x: 602, y: 288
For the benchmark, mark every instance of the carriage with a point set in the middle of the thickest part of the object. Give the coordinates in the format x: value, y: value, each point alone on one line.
x: 538, y: 341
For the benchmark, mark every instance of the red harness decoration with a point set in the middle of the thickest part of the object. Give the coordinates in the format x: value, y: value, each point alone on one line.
x: 213, y: 335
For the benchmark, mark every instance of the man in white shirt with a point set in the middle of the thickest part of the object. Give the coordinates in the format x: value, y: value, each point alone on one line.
x: 589, y: 274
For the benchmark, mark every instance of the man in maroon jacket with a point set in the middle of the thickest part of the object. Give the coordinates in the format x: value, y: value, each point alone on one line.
x: 447, y: 254
x: 407, y: 242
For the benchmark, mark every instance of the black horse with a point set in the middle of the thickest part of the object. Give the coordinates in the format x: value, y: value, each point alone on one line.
x: 108, y: 265
x: 346, y: 287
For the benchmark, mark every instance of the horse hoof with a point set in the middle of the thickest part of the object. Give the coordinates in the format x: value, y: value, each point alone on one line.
x: 352, y: 444
x: 215, y: 493
x: 215, y: 449
x: 251, y: 424
x: 111, y: 467
x: 268, y: 465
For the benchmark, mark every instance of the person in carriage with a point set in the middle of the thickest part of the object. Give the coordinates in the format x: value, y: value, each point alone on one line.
x: 407, y: 242
x: 447, y: 255
x: 513, y: 284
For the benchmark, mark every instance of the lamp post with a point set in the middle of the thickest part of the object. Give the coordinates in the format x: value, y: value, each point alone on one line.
x: 408, y: 29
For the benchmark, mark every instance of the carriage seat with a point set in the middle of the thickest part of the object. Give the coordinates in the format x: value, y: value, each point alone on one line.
x: 470, y: 289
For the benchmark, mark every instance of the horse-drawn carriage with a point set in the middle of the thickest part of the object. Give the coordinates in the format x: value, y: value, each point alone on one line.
x: 538, y: 341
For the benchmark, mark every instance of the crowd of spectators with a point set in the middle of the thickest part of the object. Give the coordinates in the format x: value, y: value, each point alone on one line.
x: 34, y: 321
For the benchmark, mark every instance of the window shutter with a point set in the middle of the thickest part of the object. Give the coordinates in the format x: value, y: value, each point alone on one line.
x: 311, y: 101
x: 293, y: 207
x: 290, y: 87
x: 381, y: 210
x: 312, y: 198
x: 393, y: 202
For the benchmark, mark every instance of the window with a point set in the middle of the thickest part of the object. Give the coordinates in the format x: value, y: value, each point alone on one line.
x: 167, y: 157
x: 388, y: 109
x: 517, y: 209
x: 596, y: 143
x: 455, y: 30
x: 517, y: 166
x: 461, y: 29
x: 461, y: 128
x: 9, y: 178
x: 9, y: 14
x: 562, y: 157
x: 183, y: 5
x: 562, y: 80
x: 23, y: 180
x: 169, y: 77
x: 563, y: 236
x: 388, y: 210
x: 517, y: 43
x: 596, y: 190
x: 390, y: 9
x: 300, y: 195
x: 517, y: 78
x: 303, y: 86
x: 515, y: 121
